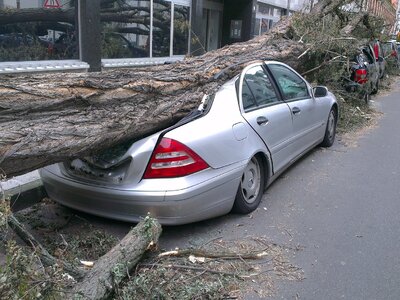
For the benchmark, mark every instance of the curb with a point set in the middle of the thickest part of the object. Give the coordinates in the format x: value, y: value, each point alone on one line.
x: 23, y: 191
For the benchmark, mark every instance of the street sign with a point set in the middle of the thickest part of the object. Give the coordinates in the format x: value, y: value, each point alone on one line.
x: 51, y: 4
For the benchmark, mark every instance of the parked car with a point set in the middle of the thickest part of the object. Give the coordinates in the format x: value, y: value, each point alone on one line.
x: 22, y: 46
x: 219, y: 158
x: 391, y: 52
x: 116, y: 45
x: 14, y: 40
x: 364, y: 73
x: 379, y: 57
x: 66, y: 46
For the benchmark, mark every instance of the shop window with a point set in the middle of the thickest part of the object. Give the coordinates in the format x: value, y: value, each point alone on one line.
x: 264, y: 25
x: 161, y: 28
x: 181, y: 29
x: 24, y: 38
x: 257, y: 27
x: 125, y: 29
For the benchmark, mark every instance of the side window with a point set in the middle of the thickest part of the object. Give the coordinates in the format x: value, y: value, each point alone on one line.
x: 292, y: 86
x: 247, y: 97
x: 257, y: 89
x: 369, y: 55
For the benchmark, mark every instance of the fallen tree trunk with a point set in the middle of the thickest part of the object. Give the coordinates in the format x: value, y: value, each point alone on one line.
x: 45, y: 256
x: 113, y: 267
x: 55, y: 117
x: 50, y: 118
x: 109, y: 270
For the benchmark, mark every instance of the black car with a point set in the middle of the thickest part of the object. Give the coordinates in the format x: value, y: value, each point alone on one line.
x: 364, y: 73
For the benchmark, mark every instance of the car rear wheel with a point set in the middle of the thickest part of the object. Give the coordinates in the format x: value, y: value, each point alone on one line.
x: 251, y: 187
x: 330, y: 130
x: 375, y: 90
x: 366, y: 97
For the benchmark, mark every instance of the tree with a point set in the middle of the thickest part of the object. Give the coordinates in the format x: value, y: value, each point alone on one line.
x: 55, y: 117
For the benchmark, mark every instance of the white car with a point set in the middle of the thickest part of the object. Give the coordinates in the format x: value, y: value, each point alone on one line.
x: 219, y: 158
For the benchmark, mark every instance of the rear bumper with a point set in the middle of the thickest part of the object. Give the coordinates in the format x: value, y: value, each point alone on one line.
x: 210, y: 198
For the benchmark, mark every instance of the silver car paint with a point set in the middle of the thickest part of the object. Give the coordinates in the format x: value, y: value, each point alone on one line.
x: 211, y: 197
x: 222, y: 147
x: 222, y: 137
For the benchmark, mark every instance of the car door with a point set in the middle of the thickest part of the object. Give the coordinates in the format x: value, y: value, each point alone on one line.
x: 373, y: 66
x: 306, y: 112
x: 266, y: 113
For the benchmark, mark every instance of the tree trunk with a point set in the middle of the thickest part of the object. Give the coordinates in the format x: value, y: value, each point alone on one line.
x: 54, y: 117
x: 46, y: 258
x: 113, y: 267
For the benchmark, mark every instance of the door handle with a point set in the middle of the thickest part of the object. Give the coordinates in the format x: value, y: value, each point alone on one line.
x: 296, y: 110
x: 262, y: 121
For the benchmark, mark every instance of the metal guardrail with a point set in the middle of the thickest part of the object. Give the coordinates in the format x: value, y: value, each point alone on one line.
x: 136, y: 62
x: 42, y: 66
x: 70, y: 65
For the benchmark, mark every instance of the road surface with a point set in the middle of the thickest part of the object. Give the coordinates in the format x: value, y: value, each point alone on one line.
x: 342, y: 205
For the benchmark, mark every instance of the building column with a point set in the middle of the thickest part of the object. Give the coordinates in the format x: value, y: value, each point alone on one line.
x: 196, y: 25
x: 90, y: 33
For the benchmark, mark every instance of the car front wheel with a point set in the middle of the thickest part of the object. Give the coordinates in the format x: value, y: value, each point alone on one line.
x: 330, y: 130
x: 251, y: 187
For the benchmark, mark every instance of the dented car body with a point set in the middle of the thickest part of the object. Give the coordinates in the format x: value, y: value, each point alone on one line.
x: 219, y: 158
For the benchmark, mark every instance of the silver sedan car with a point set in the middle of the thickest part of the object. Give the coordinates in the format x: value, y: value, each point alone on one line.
x: 218, y: 159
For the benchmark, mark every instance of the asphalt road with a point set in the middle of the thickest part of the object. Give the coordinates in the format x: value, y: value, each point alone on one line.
x: 341, y: 205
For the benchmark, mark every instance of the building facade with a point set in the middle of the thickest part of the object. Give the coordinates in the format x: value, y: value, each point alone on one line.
x: 385, y: 9
x: 93, y: 34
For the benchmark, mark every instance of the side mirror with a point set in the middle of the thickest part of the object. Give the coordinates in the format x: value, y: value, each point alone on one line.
x: 320, y: 91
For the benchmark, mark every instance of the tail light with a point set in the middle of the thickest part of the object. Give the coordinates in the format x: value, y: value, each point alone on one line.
x: 171, y: 158
x: 376, y: 51
x: 361, y: 76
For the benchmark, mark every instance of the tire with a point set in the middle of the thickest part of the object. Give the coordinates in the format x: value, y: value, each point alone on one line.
x: 330, y: 131
x: 375, y: 90
x: 251, y: 187
x: 366, y: 98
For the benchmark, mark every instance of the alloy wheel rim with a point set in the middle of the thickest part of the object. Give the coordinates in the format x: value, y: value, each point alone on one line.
x: 251, y: 181
x: 331, y: 125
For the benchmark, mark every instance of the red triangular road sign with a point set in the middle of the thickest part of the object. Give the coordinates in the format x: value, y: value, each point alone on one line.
x: 51, y: 4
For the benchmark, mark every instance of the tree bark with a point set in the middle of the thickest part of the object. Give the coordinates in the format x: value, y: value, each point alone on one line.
x: 113, y: 267
x: 54, y: 117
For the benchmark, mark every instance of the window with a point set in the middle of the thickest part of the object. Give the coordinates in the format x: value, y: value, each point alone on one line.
x: 265, y: 9
x: 264, y: 25
x: 247, y: 97
x: 369, y: 55
x: 257, y: 89
x: 126, y: 32
x: 291, y: 85
x: 23, y: 38
x: 181, y: 29
x: 141, y: 29
x: 362, y: 59
x: 257, y: 27
x: 161, y: 28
